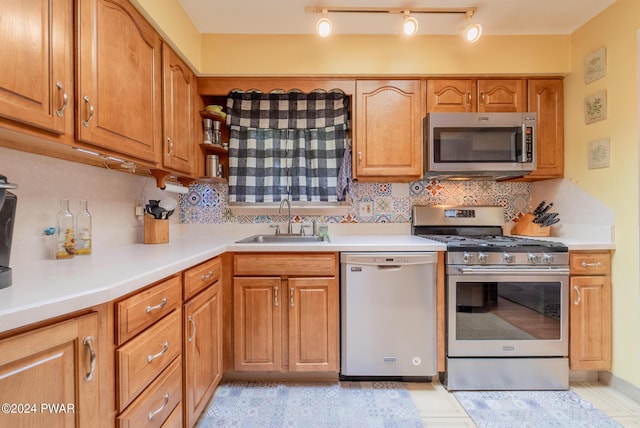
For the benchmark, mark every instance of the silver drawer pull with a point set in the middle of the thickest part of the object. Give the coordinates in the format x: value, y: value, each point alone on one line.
x: 275, y: 296
x: 165, y: 348
x: 159, y: 409
x: 158, y: 306
x: 209, y: 275
x: 291, y: 297
x: 595, y: 264
x: 88, y: 342
x: 577, y: 301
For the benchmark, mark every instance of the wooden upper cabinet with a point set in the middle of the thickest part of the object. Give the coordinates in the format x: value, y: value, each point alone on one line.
x: 388, y: 129
x: 450, y: 95
x: 546, y: 99
x: 36, y: 65
x: 508, y: 95
x: 476, y: 95
x: 180, y: 92
x: 119, y: 80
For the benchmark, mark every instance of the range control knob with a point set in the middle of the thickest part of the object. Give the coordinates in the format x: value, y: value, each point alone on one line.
x: 483, y: 258
x: 509, y: 258
x: 547, y: 259
x: 534, y: 259
x: 467, y: 258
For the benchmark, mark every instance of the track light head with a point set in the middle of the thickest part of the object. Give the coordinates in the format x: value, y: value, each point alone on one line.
x: 409, y: 25
x: 472, y: 32
x: 324, y: 27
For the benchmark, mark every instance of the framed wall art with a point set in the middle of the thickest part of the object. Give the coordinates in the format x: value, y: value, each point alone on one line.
x: 599, y: 153
x: 595, y: 65
x: 595, y: 107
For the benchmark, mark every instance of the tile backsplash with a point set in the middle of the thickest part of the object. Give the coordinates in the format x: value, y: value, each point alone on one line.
x: 369, y: 202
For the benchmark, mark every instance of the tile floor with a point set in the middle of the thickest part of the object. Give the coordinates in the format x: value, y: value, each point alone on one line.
x: 439, y: 408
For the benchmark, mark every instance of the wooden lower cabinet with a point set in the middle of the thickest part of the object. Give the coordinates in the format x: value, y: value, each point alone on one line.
x: 590, y: 313
x: 202, y: 326
x: 50, y: 376
x: 285, y: 323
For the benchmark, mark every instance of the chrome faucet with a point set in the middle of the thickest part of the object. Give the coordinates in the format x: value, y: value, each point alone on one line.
x: 289, y: 228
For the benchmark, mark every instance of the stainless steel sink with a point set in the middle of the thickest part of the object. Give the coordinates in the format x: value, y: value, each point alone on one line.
x: 282, y: 238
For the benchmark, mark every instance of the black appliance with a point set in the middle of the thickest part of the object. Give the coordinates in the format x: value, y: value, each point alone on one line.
x: 506, y: 301
x: 8, y: 202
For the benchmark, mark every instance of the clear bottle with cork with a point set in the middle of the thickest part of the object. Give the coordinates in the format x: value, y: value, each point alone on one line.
x: 83, y: 229
x: 65, y: 236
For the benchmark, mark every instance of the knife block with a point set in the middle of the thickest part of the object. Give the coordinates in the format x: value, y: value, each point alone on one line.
x: 526, y: 227
x: 155, y: 231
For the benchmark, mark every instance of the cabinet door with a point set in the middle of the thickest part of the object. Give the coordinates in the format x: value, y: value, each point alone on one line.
x: 202, y: 351
x: 502, y: 95
x: 313, y: 324
x: 51, y: 374
x: 590, y: 323
x: 546, y: 99
x: 118, y: 104
x: 179, y: 92
x: 36, y: 65
x: 257, y: 323
x: 450, y: 96
x: 388, y: 140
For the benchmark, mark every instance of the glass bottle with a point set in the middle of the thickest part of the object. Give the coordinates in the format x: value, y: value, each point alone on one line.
x: 83, y: 230
x: 65, y: 238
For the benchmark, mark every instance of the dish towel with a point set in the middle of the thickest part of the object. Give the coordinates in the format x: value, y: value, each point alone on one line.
x: 344, y: 174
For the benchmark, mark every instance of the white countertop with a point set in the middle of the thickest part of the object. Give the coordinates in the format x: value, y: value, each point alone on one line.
x: 49, y: 288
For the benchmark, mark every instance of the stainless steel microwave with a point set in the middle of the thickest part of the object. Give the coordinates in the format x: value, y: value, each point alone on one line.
x: 481, y: 146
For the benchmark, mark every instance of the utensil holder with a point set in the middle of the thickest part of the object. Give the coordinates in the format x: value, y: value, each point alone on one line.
x: 155, y: 231
x: 526, y: 227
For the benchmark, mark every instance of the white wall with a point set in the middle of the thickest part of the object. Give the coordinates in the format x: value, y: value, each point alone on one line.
x: 43, y: 181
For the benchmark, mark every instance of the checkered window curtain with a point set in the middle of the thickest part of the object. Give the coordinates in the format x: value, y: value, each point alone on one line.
x: 288, y: 145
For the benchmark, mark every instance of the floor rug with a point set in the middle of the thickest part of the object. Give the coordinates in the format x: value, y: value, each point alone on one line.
x: 539, y: 409
x: 311, y: 405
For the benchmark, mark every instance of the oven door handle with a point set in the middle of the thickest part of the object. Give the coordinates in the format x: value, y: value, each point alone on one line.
x: 515, y: 271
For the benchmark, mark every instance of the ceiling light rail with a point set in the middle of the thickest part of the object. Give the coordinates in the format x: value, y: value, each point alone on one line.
x: 471, y: 32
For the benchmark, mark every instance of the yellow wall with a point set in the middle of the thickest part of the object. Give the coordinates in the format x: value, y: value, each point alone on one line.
x: 369, y: 55
x: 172, y: 22
x: 617, y: 186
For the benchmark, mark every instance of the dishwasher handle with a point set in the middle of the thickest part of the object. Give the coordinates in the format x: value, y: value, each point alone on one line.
x: 389, y: 268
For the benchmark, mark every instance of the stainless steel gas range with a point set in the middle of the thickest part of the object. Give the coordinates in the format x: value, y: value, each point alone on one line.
x: 506, y: 302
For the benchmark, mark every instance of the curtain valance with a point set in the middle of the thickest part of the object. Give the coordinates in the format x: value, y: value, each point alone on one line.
x: 290, y: 110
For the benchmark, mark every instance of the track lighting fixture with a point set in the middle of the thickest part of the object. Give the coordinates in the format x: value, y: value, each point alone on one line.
x: 410, y: 24
x: 324, y: 25
x: 472, y: 32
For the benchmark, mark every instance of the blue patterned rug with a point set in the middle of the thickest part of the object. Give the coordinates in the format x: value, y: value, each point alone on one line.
x: 535, y: 409
x: 312, y: 405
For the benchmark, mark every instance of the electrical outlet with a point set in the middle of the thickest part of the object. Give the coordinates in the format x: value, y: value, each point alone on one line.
x: 366, y: 209
x: 139, y: 211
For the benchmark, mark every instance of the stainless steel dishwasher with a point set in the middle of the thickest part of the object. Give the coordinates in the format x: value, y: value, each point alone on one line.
x: 388, y: 314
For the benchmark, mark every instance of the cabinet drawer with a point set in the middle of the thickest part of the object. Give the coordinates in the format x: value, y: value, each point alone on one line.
x: 156, y: 404
x: 590, y: 263
x: 286, y: 264
x: 143, y: 358
x: 200, y: 277
x: 175, y: 418
x: 139, y: 311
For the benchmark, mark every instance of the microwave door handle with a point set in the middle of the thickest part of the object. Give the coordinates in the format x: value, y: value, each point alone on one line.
x: 523, y: 143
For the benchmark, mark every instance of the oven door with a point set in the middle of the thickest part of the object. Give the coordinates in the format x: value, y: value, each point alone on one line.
x: 507, y: 312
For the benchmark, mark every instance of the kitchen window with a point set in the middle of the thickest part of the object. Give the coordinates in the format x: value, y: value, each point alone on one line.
x: 288, y: 146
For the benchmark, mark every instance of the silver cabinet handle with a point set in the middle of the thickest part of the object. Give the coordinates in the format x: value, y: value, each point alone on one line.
x: 88, y: 342
x: 165, y: 348
x: 193, y: 328
x: 577, y: 301
x: 291, y: 297
x: 481, y: 97
x: 91, y: 111
x: 158, y: 306
x: 468, y: 99
x: 209, y: 275
x: 275, y: 296
x: 159, y: 409
x: 360, y: 159
x: 65, y: 99
x: 170, y: 152
x: 595, y: 264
